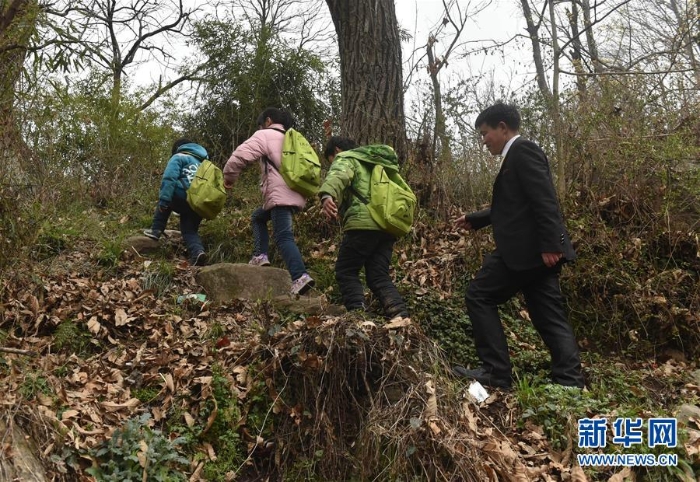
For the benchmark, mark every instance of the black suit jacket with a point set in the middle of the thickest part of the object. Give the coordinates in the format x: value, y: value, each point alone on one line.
x: 524, y: 210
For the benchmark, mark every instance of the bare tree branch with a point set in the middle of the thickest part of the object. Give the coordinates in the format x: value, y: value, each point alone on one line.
x: 627, y: 72
x: 162, y: 89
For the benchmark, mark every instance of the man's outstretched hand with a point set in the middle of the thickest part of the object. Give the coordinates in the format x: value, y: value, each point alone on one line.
x: 462, y: 223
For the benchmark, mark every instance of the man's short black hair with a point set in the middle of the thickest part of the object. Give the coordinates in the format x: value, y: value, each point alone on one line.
x: 342, y: 143
x: 180, y: 142
x: 497, y: 113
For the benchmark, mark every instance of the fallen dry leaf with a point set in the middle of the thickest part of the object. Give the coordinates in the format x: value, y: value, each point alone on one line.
x: 578, y: 475
x: 120, y: 317
x: 169, y: 383
x: 114, y: 407
x: 189, y: 420
x: 431, y: 409
x: 142, y: 455
x: 397, y: 322
x: 625, y: 475
x: 68, y: 414
x: 211, y: 453
x: 93, y: 325
x: 692, y: 445
x: 434, y: 427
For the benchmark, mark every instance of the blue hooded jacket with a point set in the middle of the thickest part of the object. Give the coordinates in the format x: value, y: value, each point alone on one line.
x: 180, y: 171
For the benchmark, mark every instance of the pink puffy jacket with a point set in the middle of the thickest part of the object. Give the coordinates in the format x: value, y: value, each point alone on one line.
x: 265, y: 142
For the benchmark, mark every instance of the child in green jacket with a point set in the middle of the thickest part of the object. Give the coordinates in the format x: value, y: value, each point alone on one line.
x: 364, y: 243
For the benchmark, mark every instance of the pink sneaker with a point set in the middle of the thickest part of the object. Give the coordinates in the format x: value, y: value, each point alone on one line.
x: 259, y: 260
x: 302, y: 285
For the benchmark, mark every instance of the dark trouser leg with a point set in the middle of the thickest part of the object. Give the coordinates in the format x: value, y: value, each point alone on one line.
x: 261, y: 240
x: 353, y: 251
x: 160, y: 219
x: 547, y: 310
x: 378, y: 279
x: 189, y: 227
x: 284, y: 239
x: 493, y: 285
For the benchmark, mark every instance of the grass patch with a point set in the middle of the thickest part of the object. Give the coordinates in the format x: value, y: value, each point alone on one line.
x: 70, y: 337
x: 32, y: 385
x: 146, y: 394
x: 51, y: 241
x: 158, y: 277
x: 110, y: 254
x: 223, y: 434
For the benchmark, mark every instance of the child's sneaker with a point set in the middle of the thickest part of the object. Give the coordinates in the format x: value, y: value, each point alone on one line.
x: 302, y: 285
x: 200, y: 259
x: 152, y: 233
x: 259, y: 260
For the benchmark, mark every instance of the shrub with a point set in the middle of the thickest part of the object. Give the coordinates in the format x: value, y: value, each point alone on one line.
x: 137, y: 452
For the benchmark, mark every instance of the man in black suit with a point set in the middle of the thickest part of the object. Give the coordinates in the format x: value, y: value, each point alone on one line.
x: 531, y: 245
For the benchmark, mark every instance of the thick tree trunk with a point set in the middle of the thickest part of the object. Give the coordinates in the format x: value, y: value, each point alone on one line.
x: 370, y: 70
x: 17, y: 22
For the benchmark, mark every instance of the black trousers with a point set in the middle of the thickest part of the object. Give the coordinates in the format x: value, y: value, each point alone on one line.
x: 189, y: 224
x: 371, y: 250
x: 495, y: 284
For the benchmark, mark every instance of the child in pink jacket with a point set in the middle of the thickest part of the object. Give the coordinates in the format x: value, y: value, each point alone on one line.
x: 280, y: 202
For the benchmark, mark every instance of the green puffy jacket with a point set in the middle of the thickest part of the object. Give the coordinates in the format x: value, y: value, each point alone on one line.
x: 353, y: 168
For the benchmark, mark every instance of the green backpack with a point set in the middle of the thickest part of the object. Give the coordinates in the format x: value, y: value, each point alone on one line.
x: 301, y: 169
x: 391, y: 202
x: 206, y: 194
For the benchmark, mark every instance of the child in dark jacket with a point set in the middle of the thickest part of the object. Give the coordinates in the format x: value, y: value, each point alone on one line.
x: 364, y: 243
x: 186, y: 158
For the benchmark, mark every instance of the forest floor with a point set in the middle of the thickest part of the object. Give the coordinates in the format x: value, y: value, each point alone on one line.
x: 106, y: 347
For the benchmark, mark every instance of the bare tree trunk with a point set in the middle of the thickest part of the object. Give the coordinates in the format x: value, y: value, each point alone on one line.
x: 533, y: 31
x: 440, y: 133
x: 686, y: 40
x: 590, y: 39
x: 696, y: 35
x: 554, y: 105
x: 439, y: 155
x: 370, y: 72
x: 577, y: 48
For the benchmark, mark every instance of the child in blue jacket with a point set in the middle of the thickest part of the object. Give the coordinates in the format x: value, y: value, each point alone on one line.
x: 186, y: 158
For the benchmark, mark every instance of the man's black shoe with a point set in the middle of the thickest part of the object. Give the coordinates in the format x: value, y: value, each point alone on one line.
x: 482, y: 376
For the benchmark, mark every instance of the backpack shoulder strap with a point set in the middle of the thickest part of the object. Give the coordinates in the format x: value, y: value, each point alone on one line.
x: 281, y: 131
x: 354, y: 191
x: 358, y: 195
x: 189, y: 153
x: 267, y: 160
x: 192, y: 154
